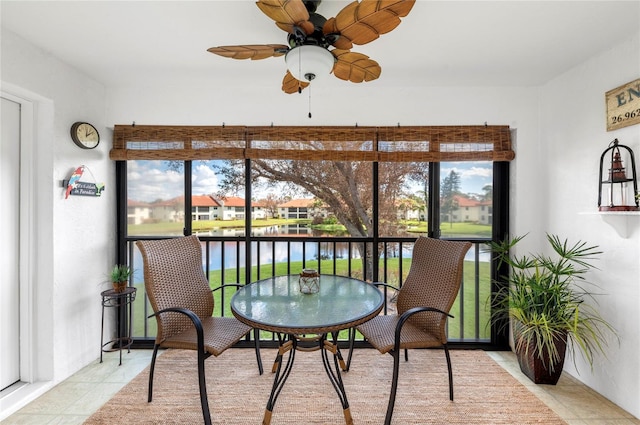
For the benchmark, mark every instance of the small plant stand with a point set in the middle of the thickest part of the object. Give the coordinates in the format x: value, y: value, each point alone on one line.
x: 119, y: 300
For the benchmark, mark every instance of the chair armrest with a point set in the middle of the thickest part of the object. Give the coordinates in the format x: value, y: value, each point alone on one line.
x: 194, y: 319
x: 385, y: 285
x: 226, y: 285
x: 384, y: 288
x: 407, y: 314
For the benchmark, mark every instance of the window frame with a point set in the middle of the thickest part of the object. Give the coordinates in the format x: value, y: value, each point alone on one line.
x: 499, y: 157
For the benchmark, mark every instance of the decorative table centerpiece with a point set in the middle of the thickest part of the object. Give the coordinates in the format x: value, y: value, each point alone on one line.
x: 309, y: 281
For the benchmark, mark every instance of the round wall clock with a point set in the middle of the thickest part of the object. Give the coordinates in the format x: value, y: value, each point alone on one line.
x: 85, y: 135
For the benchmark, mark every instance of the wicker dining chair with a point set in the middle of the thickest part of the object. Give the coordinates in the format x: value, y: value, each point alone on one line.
x: 182, y: 302
x: 423, y: 304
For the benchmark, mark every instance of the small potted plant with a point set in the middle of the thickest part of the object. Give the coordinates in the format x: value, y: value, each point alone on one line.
x: 120, y: 277
x: 543, y: 298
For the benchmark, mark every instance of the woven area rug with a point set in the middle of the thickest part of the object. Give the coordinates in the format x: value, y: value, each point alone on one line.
x: 484, y: 392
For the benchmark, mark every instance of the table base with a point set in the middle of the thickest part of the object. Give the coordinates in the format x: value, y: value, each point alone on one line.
x: 289, y: 344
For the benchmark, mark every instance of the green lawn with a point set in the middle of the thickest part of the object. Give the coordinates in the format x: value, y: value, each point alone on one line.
x: 171, y: 228
x: 471, y: 230
x: 326, y: 266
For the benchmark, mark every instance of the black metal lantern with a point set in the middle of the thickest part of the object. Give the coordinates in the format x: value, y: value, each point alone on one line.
x: 621, y: 190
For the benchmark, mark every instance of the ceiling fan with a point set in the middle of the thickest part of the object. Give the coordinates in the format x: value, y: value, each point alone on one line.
x: 311, y: 35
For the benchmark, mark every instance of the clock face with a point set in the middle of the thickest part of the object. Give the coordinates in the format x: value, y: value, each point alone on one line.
x: 85, y: 135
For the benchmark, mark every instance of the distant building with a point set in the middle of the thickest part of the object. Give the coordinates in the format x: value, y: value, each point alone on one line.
x: 302, y: 208
x: 155, y: 212
x: 470, y: 211
x: 233, y: 208
x: 407, y: 210
x: 138, y: 212
x: 171, y: 210
x: 205, y: 207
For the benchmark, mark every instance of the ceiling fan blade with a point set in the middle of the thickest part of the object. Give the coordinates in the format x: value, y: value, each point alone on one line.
x: 287, y: 14
x: 291, y: 85
x: 355, y: 67
x: 250, y: 51
x: 364, y: 21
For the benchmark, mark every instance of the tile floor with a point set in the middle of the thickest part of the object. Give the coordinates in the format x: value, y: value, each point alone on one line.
x: 570, y: 399
x: 74, y: 400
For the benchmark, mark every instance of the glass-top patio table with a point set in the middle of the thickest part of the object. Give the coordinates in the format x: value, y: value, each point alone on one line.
x: 303, y: 321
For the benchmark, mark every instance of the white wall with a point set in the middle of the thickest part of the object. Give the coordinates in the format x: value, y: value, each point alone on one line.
x: 73, y: 239
x: 80, y: 236
x: 573, y: 136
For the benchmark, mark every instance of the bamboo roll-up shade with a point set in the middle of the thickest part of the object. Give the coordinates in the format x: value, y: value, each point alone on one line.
x: 156, y: 142
x: 444, y: 143
x: 312, y: 143
x: 392, y: 144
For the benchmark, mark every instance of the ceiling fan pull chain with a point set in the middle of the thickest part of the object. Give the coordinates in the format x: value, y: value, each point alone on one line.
x: 309, y: 100
x: 299, y: 65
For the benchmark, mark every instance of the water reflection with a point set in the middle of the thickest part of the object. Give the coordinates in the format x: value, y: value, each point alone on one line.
x: 276, y: 252
x: 280, y: 230
x: 282, y: 252
x: 232, y: 253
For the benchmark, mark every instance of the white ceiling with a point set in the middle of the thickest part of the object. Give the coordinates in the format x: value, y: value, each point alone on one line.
x: 440, y: 43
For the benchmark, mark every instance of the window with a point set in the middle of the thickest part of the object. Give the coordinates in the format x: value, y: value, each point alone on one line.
x: 379, y: 186
x: 155, y: 198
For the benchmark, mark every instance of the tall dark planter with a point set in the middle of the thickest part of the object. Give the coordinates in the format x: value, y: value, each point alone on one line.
x: 538, y: 368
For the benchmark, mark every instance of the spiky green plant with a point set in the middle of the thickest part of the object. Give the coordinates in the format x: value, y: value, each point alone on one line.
x: 120, y: 273
x: 544, y: 296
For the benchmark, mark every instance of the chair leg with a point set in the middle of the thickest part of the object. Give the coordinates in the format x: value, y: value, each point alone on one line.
x: 446, y: 353
x: 352, y: 339
x: 203, y: 388
x: 406, y: 355
x: 394, y: 386
x: 256, y: 339
x: 151, y: 369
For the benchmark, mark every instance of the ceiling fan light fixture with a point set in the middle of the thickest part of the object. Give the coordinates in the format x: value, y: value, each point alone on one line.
x: 309, y: 62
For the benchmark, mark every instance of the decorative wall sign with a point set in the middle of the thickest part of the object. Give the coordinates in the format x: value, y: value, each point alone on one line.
x: 76, y: 187
x: 623, y: 105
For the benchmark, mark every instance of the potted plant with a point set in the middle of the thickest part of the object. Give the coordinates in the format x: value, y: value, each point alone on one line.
x: 543, y: 296
x: 120, y: 276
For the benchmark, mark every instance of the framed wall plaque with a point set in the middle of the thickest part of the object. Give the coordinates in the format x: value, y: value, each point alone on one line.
x: 623, y: 105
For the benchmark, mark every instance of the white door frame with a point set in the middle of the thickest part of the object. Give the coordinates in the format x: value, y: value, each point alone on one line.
x: 10, y: 286
x: 26, y: 224
x: 36, y: 362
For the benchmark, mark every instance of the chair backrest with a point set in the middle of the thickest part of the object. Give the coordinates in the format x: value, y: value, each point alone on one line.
x: 174, y: 277
x: 433, y: 281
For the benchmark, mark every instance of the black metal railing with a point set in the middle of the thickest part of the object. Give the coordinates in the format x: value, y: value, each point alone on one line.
x: 225, y: 260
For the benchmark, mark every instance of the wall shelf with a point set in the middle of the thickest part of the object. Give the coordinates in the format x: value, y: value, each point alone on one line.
x: 619, y: 220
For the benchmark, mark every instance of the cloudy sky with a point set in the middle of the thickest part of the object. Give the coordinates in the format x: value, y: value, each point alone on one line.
x: 473, y: 175
x: 152, y: 180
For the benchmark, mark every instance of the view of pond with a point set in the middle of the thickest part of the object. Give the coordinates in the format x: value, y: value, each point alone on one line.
x: 279, y: 230
x: 278, y: 254
x: 283, y: 252
x: 295, y: 251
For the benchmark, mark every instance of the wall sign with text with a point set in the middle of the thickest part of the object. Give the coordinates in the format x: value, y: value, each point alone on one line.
x: 623, y: 105
x: 76, y: 187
